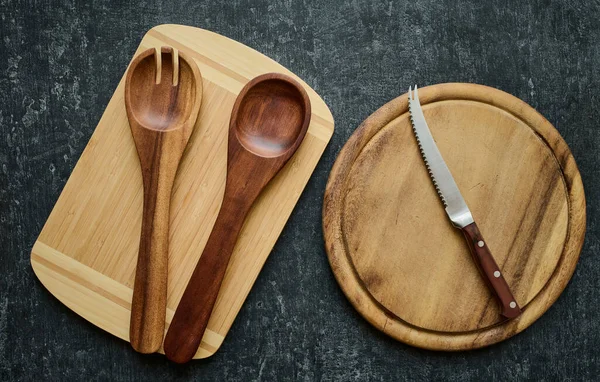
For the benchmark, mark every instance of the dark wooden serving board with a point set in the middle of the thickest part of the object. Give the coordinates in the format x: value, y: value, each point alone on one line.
x: 392, y: 248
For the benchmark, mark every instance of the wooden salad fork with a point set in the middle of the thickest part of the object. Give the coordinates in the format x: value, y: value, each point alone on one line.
x: 163, y: 93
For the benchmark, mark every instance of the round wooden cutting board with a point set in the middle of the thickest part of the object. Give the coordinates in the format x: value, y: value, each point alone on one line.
x: 393, y: 250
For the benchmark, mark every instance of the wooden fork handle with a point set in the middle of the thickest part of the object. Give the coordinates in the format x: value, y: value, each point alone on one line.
x: 193, y: 312
x: 148, y: 306
x: 491, y: 272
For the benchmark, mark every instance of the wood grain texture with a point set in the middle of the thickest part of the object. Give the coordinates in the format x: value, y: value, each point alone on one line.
x: 392, y: 248
x: 267, y: 125
x: 163, y: 93
x: 86, y: 252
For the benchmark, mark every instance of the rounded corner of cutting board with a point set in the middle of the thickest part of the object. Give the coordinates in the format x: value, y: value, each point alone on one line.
x: 36, y: 270
x: 43, y: 276
x: 59, y: 284
x: 203, y: 353
x: 53, y: 286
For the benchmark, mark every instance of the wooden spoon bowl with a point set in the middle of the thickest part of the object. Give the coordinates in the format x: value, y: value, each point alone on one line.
x: 163, y: 92
x: 260, y: 112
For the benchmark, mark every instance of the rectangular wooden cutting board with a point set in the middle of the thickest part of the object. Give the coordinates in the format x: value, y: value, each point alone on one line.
x: 87, y: 250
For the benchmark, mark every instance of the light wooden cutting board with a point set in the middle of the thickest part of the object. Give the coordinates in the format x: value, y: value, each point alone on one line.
x: 87, y: 250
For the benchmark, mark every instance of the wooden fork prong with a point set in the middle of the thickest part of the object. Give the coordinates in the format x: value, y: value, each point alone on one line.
x: 158, y: 60
x: 175, y: 55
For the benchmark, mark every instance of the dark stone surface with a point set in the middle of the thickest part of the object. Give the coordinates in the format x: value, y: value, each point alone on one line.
x: 61, y: 61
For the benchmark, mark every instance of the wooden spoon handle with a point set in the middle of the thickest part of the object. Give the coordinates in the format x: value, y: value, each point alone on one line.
x: 193, y: 312
x: 491, y: 272
x: 148, y: 307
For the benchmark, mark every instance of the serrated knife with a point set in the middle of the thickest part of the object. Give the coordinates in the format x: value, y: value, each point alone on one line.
x: 457, y: 209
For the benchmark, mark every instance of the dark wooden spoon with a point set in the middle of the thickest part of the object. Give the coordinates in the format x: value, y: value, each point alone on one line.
x: 268, y: 122
x: 163, y: 92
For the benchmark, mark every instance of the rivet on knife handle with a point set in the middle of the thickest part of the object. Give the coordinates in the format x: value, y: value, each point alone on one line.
x: 457, y: 208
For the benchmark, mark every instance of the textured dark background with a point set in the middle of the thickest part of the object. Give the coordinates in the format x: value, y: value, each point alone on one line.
x: 60, y: 62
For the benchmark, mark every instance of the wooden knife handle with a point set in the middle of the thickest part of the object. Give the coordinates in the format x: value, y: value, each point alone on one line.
x: 490, y: 272
x: 193, y: 312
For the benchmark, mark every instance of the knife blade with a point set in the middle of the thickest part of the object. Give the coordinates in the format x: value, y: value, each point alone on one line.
x: 457, y: 209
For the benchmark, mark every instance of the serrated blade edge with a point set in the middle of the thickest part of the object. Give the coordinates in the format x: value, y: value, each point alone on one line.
x: 440, y: 174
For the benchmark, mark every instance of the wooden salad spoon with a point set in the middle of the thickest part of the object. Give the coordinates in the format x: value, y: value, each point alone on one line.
x: 268, y: 122
x: 163, y: 92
